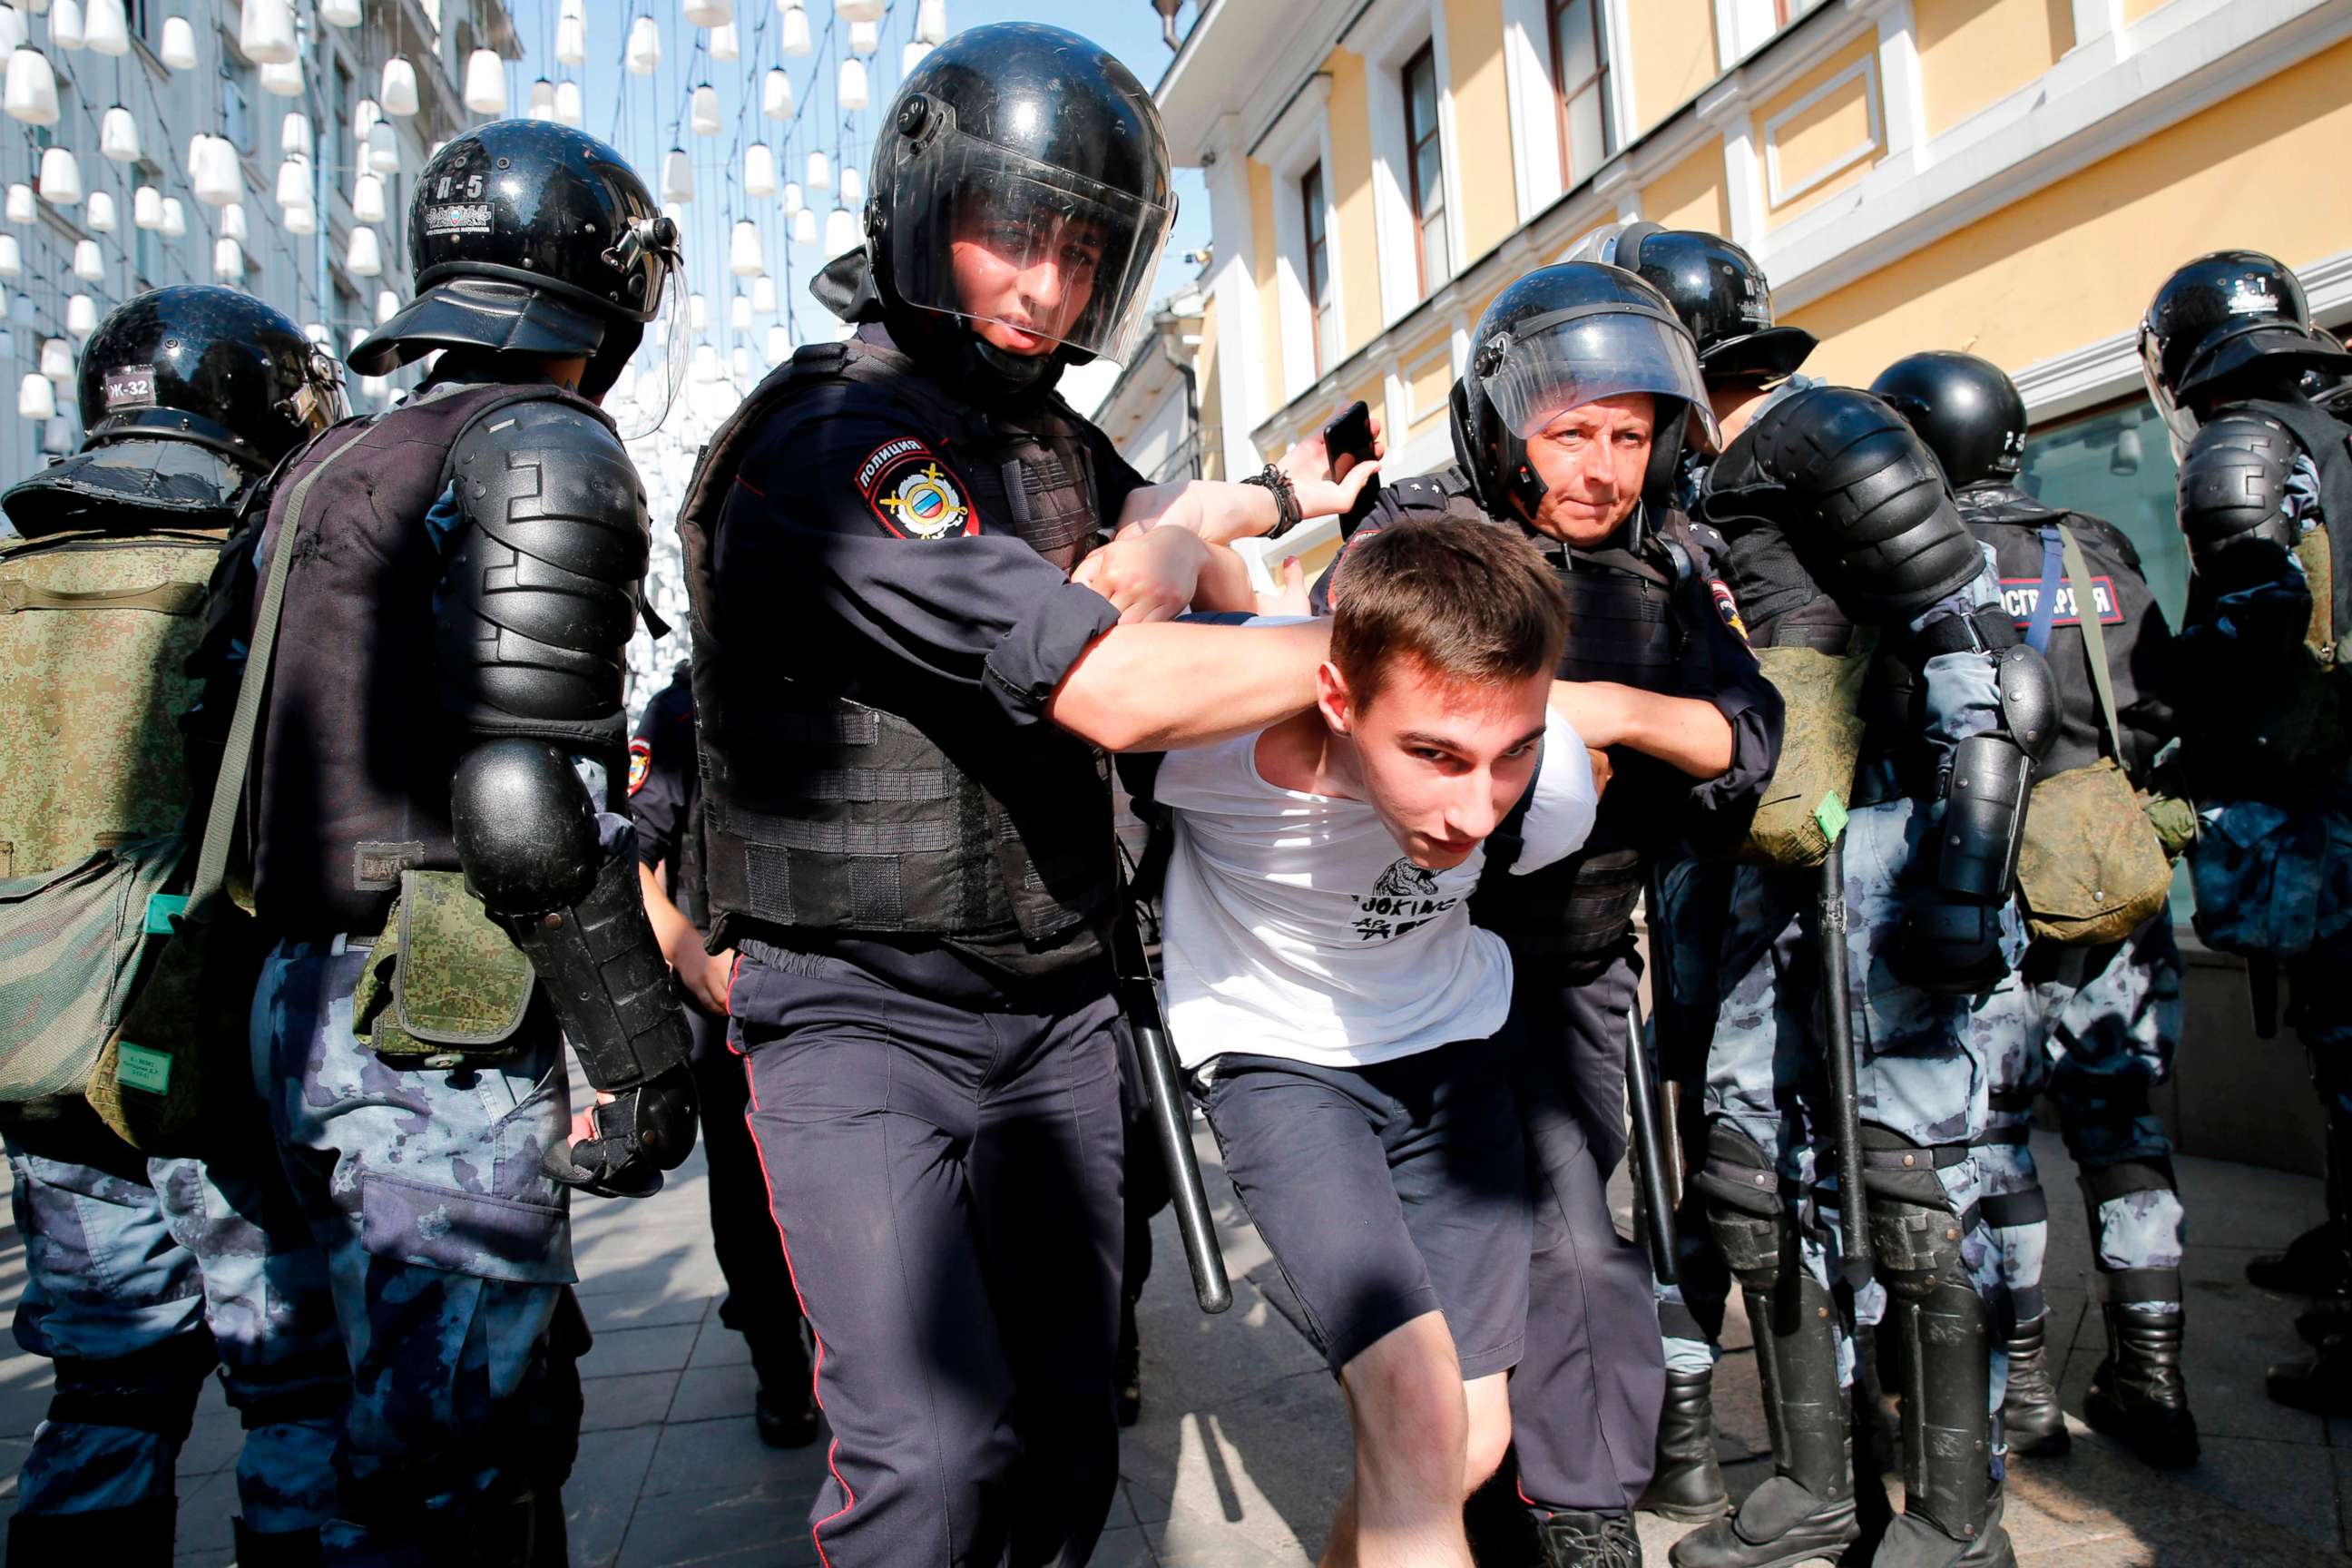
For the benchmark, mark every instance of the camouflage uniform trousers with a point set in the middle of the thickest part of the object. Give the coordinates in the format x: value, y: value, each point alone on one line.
x: 448, y: 1252
x: 2276, y: 881
x: 2093, y: 1027
x: 1922, y: 1074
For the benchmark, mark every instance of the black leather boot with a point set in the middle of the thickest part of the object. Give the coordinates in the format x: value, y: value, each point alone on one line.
x: 138, y: 1536
x: 785, y: 1408
x: 275, y: 1549
x: 1590, y: 1541
x: 1688, y: 1483
x: 2321, y: 1384
x: 2029, y: 1411
x: 2138, y: 1397
x: 2312, y: 1265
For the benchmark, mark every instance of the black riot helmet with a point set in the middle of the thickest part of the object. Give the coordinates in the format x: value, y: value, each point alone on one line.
x: 1965, y: 409
x: 189, y: 394
x: 1032, y: 145
x: 1559, y: 338
x: 1716, y: 288
x: 530, y: 237
x: 2230, y: 317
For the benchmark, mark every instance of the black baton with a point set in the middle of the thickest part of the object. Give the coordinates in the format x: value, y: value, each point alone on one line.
x: 1845, y: 1103
x: 1171, y: 1114
x: 1649, y: 1147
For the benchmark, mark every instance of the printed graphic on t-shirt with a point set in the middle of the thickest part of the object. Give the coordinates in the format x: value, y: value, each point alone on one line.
x: 2022, y: 594
x: 1405, y: 896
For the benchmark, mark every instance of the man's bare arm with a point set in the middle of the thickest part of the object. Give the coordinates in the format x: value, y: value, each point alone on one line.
x: 1689, y: 733
x: 1166, y: 685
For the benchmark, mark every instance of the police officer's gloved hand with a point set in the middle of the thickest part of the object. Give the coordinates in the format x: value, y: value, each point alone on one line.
x: 638, y: 1134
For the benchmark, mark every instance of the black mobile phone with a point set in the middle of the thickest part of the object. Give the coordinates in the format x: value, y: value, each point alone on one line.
x: 1350, y: 434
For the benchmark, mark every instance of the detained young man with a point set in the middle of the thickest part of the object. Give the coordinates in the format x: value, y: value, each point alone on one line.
x: 1339, y: 1015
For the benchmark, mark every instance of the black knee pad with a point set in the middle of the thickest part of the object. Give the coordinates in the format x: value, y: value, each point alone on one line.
x: 152, y: 1390
x: 1743, y: 1206
x: 2138, y: 1174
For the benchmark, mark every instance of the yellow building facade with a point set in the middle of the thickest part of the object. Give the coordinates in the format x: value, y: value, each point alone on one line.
x: 2009, y: 177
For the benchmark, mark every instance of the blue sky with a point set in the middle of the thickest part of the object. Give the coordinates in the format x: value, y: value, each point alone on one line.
x: 642, y: 116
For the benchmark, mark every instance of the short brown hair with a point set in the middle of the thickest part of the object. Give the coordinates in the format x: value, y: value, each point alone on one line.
x: 1473, y: 603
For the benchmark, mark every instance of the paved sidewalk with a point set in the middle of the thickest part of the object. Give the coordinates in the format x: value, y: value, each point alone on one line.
x: 1244, y: 1447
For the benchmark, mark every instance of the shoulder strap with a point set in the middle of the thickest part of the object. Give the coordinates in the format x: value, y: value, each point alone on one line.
x: 228, y: 795
x: 2094, y: 640
x: 2045, y: 598
x: 1505, y: 845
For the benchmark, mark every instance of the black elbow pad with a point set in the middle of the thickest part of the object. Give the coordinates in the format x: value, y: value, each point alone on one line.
x: 2232, y: 487
x: 540, y: 585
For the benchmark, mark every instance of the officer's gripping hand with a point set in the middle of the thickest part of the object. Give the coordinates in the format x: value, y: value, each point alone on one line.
x: 630, y: 1139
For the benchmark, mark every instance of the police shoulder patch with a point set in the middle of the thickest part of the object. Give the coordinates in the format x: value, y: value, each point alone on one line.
x: 1727, y: 607
x: 914, y: 494
x: 641, y: 761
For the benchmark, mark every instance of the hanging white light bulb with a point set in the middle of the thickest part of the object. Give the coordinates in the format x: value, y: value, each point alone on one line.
x: 397, y: 92
x: 13, y: 33
x: 21, y: 207
x: 931, y: 22
x: 60, y: 178
x: 214, y: 170
x: 178, y: 51
x: 780, y: 345
x: 367, y: 198
x: 776, y: 96
x: 793, y: 202
x: 858, y: 10
x: 65, y: 24
x: 698, y: 313
x: 571, y: 108
x: 542, y: 100
x: 804, y: 226
x: 486, y: 82
x: 643, y: 52
x: 819, y: 176
x: 708, y: 13
x: 12, y: 257
x: 106, y: 27
x: 853, y: 187
x: 97, y: 212
x: 383, y: 149
x: 704, y: 113
x: 87, y: 264
x: 739, y: 313
x: 851, y: 92
x: 910, y: 56
x: 387, y: 306
x: 264, y: 33
x: 677, y: 177
x: 365, y: 257
x: 118, y: 135
x: 795, y: 39
x: 726, y: 44
x: 147, y: 207
x: 175, y: 220
x: 300, y: 220
x: 283, y: 80
x: 339, y: 13
x: 81, y: 315
x: 865, y: 37
x: 31, y: 94
x: 57, y: 358
x: 232, y: 224
x: 759, y: 170
x: 36, y: 398
x: 294, y: 183
x: 294, y: 134
x: 840, y: 232
x: 738, y: 360
x: 228, y: 260
x: 364, y: 115
x: 744, y: 258
x: 572, y: 34
x: 763, y: 294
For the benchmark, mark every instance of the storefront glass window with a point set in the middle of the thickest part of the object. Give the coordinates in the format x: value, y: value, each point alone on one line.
x: 2117, y: 464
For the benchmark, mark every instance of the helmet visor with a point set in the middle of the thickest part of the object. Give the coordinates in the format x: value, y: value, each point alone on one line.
x: 2179, y: 424
x: 642, y: 399
x: 1052, y: 259
x: 1567, y: 359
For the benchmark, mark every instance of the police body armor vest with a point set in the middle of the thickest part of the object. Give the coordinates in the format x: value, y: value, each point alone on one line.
x: 2329, y: 440
x: 349, y: 782
x: 823, y: 815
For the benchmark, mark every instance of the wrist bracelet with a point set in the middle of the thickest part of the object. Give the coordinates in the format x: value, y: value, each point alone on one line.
x: 1285, y: 498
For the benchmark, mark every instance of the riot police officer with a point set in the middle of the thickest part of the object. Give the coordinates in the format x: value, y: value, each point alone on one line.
x: 2232, y: 360
x: 2094, y: 1025
x: 441, y: 861
x: 1838, y: 524
x: 908, y: 649
x: 188, y: 397
x: 665, y: 806
x: 1692, y: 730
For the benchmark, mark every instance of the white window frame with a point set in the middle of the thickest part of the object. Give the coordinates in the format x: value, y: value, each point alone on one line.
x: 1541, y: 178
x: 1294, y: 144
x: 1743, y: 26
x: 1387, y: 35
x: 1866, y: 68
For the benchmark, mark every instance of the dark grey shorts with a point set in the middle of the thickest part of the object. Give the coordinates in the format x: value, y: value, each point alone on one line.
x: 1385, y: 1191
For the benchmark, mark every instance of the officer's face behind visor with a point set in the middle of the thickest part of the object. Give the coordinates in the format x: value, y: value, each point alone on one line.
x: 1024, y: 280
x: 1592, y: 461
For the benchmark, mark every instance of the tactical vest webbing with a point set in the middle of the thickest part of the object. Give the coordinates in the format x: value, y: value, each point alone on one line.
x: 826, y: 815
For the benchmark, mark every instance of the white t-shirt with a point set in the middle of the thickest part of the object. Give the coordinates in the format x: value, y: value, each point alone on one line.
x: 1295, y: 927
